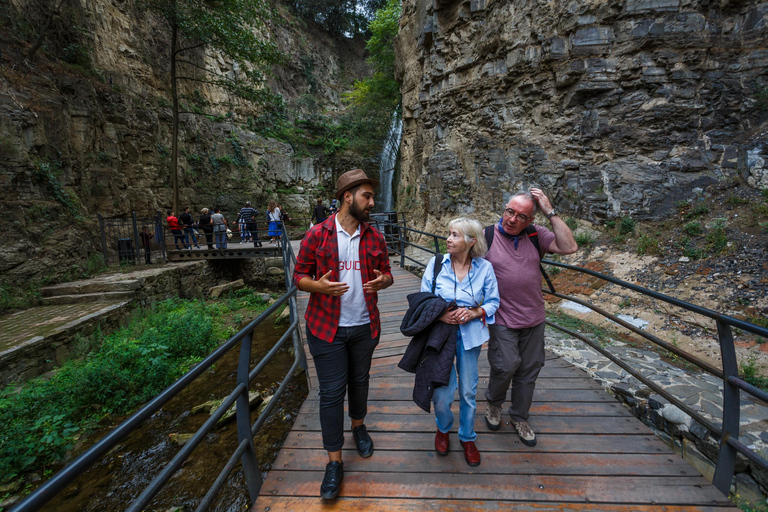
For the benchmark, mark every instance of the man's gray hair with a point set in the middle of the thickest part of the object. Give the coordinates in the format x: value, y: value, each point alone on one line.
x: 473, y: 232
x: 529, y: 197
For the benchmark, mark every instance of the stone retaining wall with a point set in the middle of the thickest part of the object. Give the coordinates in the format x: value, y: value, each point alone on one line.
x: 40, y: 354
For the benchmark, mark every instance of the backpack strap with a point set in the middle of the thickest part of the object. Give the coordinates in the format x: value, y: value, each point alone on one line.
x: 533, y: 236
x: 437, y: 269
x: 488, y: 232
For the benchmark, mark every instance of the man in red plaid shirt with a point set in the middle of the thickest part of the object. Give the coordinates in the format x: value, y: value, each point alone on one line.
x: 343, y: 262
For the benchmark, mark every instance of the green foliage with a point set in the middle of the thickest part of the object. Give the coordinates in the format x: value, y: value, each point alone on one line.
x: 162, y: 150
x: 584, y: 239
x: 571, y: 223
x: 717, y: 240
x: 374, y: 99
x: 761, y: 95
x: 760, y: 210
x: 749, y: 374
x: 735, y: 200
x: 602, y: 335
x: 693, y: 228
x: 690, y: 250
x: 39, y: 420
x: 697, y: 211
x: 50, y: 174
x: 765, y: 193
x: 338, y: 17
x: 648, y: 245
x: 626, y: 225
x: 19, y: 296
x: 610, y: 224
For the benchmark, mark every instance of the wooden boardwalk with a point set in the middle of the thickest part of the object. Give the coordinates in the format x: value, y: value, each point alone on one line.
x: 592, y: 453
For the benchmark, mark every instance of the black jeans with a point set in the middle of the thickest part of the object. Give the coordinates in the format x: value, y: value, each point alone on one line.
x: 343, y: 366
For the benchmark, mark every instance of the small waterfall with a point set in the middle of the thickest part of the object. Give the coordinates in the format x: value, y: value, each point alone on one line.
x: 387, y: 161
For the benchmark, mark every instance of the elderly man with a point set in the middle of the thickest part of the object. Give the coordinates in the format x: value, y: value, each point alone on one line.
x: 343, y: 262
x: 516, y: 345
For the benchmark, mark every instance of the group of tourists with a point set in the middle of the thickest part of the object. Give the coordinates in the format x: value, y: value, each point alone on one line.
x: 486, y: 288
x: 216, y: 228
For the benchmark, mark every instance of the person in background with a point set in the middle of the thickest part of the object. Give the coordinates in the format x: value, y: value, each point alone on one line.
x: 206, y: 226
x: 189, y: 228
x: 333, y: 209
x: 343, y: 263
x: 219, y: 228
x: 146, y: 241
x: 516, y: 348
x: 175, y: 227
x: 320, y: 212
x: 467, y: 279
x: 274, y: 217
x: 247, y: 220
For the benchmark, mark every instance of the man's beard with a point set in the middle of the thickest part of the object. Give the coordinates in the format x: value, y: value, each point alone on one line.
x: 358, y: 213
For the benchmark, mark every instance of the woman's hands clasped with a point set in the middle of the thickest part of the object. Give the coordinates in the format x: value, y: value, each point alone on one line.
x: 460, y: 316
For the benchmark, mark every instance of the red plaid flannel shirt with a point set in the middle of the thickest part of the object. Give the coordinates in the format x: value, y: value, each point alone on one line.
x: 318, y: 254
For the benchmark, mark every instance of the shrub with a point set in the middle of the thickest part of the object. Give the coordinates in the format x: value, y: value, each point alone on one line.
x: 648, y: 245
x: 693, y: 228
x: 571, y: 223
x: 584, y: 239
x: 717, y: 240
x: 626, y: 226
x: 749, y: 374
x: 697, y: 211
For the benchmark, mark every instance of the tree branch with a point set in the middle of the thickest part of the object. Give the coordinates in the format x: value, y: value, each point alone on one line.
x: 180, y: 50
x: 201, y: 67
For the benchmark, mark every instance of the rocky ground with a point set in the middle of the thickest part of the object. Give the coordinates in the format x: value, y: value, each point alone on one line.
x: 712, y: 253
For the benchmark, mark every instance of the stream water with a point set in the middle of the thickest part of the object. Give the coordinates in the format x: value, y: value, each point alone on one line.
x: 123, y: 474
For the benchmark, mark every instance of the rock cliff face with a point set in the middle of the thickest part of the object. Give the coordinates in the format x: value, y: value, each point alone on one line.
x: 104, y: 132
x: 613, y: 107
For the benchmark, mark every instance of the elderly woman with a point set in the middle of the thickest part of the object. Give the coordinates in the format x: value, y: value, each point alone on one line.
x: 468, y: 280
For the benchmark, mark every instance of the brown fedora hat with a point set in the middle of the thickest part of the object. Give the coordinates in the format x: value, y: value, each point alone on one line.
x: 351, y: 179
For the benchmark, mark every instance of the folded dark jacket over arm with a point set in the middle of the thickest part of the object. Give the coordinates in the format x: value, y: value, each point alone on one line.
x: 431, y: 351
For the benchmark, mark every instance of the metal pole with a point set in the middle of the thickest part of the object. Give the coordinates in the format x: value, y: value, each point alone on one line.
x: 135, y: 237
x: 161, y: 229
x: 243, y: 417
x: 437, y: 246
x: 103, y: 237
x: 726, y: 460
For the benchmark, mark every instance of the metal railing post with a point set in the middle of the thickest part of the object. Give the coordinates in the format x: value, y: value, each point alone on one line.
x: 135, y: 238
x: 243, y: 417
x: 437, y: 245
x: 726, y: 460
x: 103, y: 237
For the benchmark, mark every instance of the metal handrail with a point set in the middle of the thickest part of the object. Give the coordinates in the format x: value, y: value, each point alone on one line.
x: 245, y: 451
x: 729, y: 444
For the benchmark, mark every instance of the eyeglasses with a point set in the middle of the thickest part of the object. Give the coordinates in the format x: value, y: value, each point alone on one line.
x: 509, y: 212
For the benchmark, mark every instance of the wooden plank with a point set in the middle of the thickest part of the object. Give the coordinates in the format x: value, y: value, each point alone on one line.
x: 539, y: 395
x: 538, y: 408
x: 541, y: 424
x: 526, y: 488
x: 529, y: 463
x: 552, y: 443
x: 343, y: 504
x: 591, y: 453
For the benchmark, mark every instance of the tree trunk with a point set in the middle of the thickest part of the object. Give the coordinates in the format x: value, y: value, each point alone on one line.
x: 175, y: 126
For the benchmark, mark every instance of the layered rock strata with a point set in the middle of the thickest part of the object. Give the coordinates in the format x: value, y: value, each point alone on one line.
x: 621, y: 107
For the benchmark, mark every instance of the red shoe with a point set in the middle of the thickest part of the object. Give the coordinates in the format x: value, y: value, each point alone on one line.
x: 471, y: 455
x: 441, y: 443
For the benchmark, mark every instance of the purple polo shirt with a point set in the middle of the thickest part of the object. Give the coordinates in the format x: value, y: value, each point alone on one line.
x: 517, y: 272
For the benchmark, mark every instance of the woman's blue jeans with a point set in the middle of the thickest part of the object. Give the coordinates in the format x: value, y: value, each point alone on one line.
x: 464, y: 376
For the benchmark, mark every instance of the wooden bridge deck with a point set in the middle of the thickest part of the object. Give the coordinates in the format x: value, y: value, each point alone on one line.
x: 592, y: 453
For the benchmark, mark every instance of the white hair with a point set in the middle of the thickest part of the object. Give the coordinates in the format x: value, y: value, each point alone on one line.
x: 473, y: 232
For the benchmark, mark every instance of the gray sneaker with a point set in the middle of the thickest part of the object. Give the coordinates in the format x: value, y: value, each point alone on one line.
x: 493, y: 417
x: 525, y: 432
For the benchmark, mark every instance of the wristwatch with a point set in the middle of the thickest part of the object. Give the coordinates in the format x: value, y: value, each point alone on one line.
x: 552, y: 214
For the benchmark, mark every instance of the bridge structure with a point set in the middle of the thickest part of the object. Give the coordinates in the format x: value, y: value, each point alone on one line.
x: 592, y: 453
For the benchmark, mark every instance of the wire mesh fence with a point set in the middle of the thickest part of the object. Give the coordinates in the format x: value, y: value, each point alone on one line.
x: 132, y: 240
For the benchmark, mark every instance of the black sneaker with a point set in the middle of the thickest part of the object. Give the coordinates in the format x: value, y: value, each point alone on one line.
x: 363, y: 441
x: 334, y: 474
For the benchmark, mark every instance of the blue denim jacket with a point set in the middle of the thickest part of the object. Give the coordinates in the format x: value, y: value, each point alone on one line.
x: 479, y: 288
